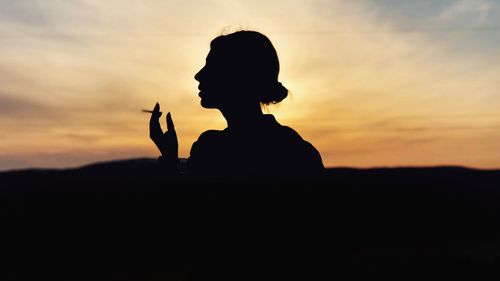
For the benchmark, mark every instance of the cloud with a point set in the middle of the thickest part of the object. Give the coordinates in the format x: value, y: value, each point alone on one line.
x: 12, y: 106
x: 475, y: 10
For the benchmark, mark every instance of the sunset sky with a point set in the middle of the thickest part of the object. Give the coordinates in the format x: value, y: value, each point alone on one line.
x: 372, y: 83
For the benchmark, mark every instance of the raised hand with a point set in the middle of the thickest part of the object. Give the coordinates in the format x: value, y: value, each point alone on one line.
x: 166, y: 142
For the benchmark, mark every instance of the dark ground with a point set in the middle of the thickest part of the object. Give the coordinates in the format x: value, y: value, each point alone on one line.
x: 122, y: 221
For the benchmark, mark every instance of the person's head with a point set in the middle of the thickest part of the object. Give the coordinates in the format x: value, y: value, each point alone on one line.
x: 241, y: 68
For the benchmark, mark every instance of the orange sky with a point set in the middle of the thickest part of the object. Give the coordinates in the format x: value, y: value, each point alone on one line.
x: 373, y: 83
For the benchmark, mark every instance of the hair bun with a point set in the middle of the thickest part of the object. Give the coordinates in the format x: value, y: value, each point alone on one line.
x: 274, y: 94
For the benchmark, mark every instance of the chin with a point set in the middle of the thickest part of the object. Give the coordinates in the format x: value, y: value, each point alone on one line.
x: 207, y: 104
x: 208, y: 100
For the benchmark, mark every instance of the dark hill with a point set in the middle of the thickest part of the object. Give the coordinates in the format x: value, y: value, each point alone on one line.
x: 125, y: 218
x: 143, y: 173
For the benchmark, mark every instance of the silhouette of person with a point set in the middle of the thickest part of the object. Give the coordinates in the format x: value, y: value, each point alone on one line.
x: 239, y: 77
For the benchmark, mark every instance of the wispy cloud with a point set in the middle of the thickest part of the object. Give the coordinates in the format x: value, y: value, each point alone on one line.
x: 475, y: 10
x: 12, y: 106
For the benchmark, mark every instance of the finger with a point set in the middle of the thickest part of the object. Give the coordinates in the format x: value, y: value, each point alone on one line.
x: 170, y: 123
x: 155, y: 130
x: 155, y: 115
x: 156, y: 111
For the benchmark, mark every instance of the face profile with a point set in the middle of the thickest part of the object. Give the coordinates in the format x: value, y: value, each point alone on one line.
x: 214, y: 82
x: 241, y: 68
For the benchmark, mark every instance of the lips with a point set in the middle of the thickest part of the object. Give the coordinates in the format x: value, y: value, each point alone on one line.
x: 201, y: 90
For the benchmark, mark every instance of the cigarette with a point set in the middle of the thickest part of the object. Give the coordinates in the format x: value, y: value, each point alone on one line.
x: 147, y: 111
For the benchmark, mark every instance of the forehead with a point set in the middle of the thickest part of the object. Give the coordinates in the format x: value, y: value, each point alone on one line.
x: 210, y: 55
x: 215, y: 54
x: 219, y: 57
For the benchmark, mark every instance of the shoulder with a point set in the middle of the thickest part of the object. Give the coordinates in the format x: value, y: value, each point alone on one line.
x: 281, y: 132
x: 275, y: 128
x: 210, y: 135
x: 304, y: 151
x: 306, y: 146
x: 290, y: 133
x: 206, y: 141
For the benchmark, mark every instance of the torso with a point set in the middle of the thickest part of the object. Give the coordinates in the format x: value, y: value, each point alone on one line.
x: 266, y: 149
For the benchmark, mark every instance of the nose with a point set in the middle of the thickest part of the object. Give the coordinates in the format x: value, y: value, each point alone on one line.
x: 198, y: 75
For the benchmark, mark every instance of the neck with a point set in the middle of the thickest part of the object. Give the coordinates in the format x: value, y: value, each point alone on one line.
x: 242, y: 116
